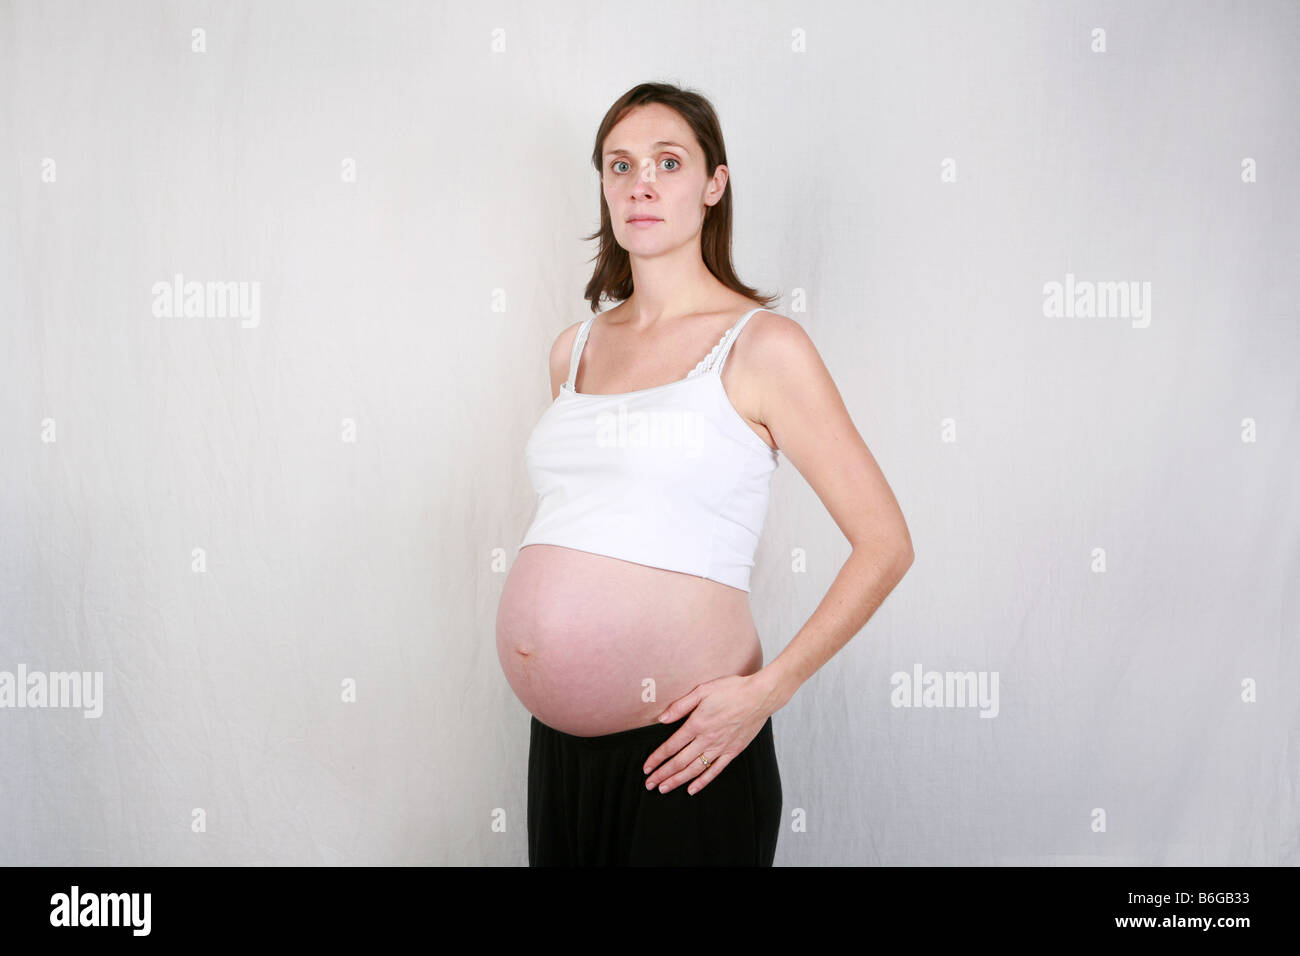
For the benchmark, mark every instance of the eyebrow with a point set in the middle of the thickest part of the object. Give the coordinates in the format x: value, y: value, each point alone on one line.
x: 662, y: 142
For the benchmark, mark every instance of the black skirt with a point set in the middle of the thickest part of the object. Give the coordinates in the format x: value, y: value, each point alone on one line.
x: 588, y: 804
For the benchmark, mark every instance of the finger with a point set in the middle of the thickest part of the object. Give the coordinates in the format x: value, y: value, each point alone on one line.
x: 670, y: 747
x: 681, y: 760
x: 686, y: 765
x: 682, y: 705
x: 715, y: 768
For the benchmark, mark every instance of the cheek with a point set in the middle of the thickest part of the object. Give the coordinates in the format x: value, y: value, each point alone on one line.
x: 687, y: 205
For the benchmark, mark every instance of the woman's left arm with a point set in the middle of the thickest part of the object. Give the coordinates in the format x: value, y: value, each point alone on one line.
x: 803, y: 410
x: 801, y: 407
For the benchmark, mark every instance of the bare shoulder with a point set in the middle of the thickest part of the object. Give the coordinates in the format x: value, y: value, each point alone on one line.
x: 562, y: 347
x: 561, y: 350
x: 781, y: 376
x: 777, y: 349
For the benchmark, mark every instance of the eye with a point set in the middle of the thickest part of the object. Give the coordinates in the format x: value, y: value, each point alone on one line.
x: 623, y: 162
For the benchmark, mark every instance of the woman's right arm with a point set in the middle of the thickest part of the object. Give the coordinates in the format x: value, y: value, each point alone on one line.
x: 561, y: 349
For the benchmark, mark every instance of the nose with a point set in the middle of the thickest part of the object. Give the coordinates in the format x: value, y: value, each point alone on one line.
x: 642, y: 185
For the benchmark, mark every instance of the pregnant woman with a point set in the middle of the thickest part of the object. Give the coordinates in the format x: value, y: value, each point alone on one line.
x: 624, y: 625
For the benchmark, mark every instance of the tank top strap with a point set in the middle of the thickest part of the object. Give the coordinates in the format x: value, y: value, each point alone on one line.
x: 729, y: 339
x: 579, y: 341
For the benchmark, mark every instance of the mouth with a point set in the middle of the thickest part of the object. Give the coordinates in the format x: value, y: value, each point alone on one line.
x: 643, y: 221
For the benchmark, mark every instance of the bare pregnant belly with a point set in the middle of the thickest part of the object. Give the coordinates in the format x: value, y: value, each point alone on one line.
x: 580, y: 636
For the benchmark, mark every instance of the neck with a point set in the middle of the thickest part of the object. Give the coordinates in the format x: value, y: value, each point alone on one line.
x: 669, y: 286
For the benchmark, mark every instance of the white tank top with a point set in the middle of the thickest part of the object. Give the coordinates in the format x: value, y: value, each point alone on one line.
x: 671, y: 476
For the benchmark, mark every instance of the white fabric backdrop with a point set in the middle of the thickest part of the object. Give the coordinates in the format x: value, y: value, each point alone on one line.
x: 188, y: 512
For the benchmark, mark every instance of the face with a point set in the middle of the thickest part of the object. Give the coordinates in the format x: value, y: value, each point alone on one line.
x: 652, y: 167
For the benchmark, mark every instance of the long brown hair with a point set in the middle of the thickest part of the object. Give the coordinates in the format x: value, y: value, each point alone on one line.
x: 613, y: 276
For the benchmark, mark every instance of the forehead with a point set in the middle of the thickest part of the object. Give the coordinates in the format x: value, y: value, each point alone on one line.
x: 648, y: 127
